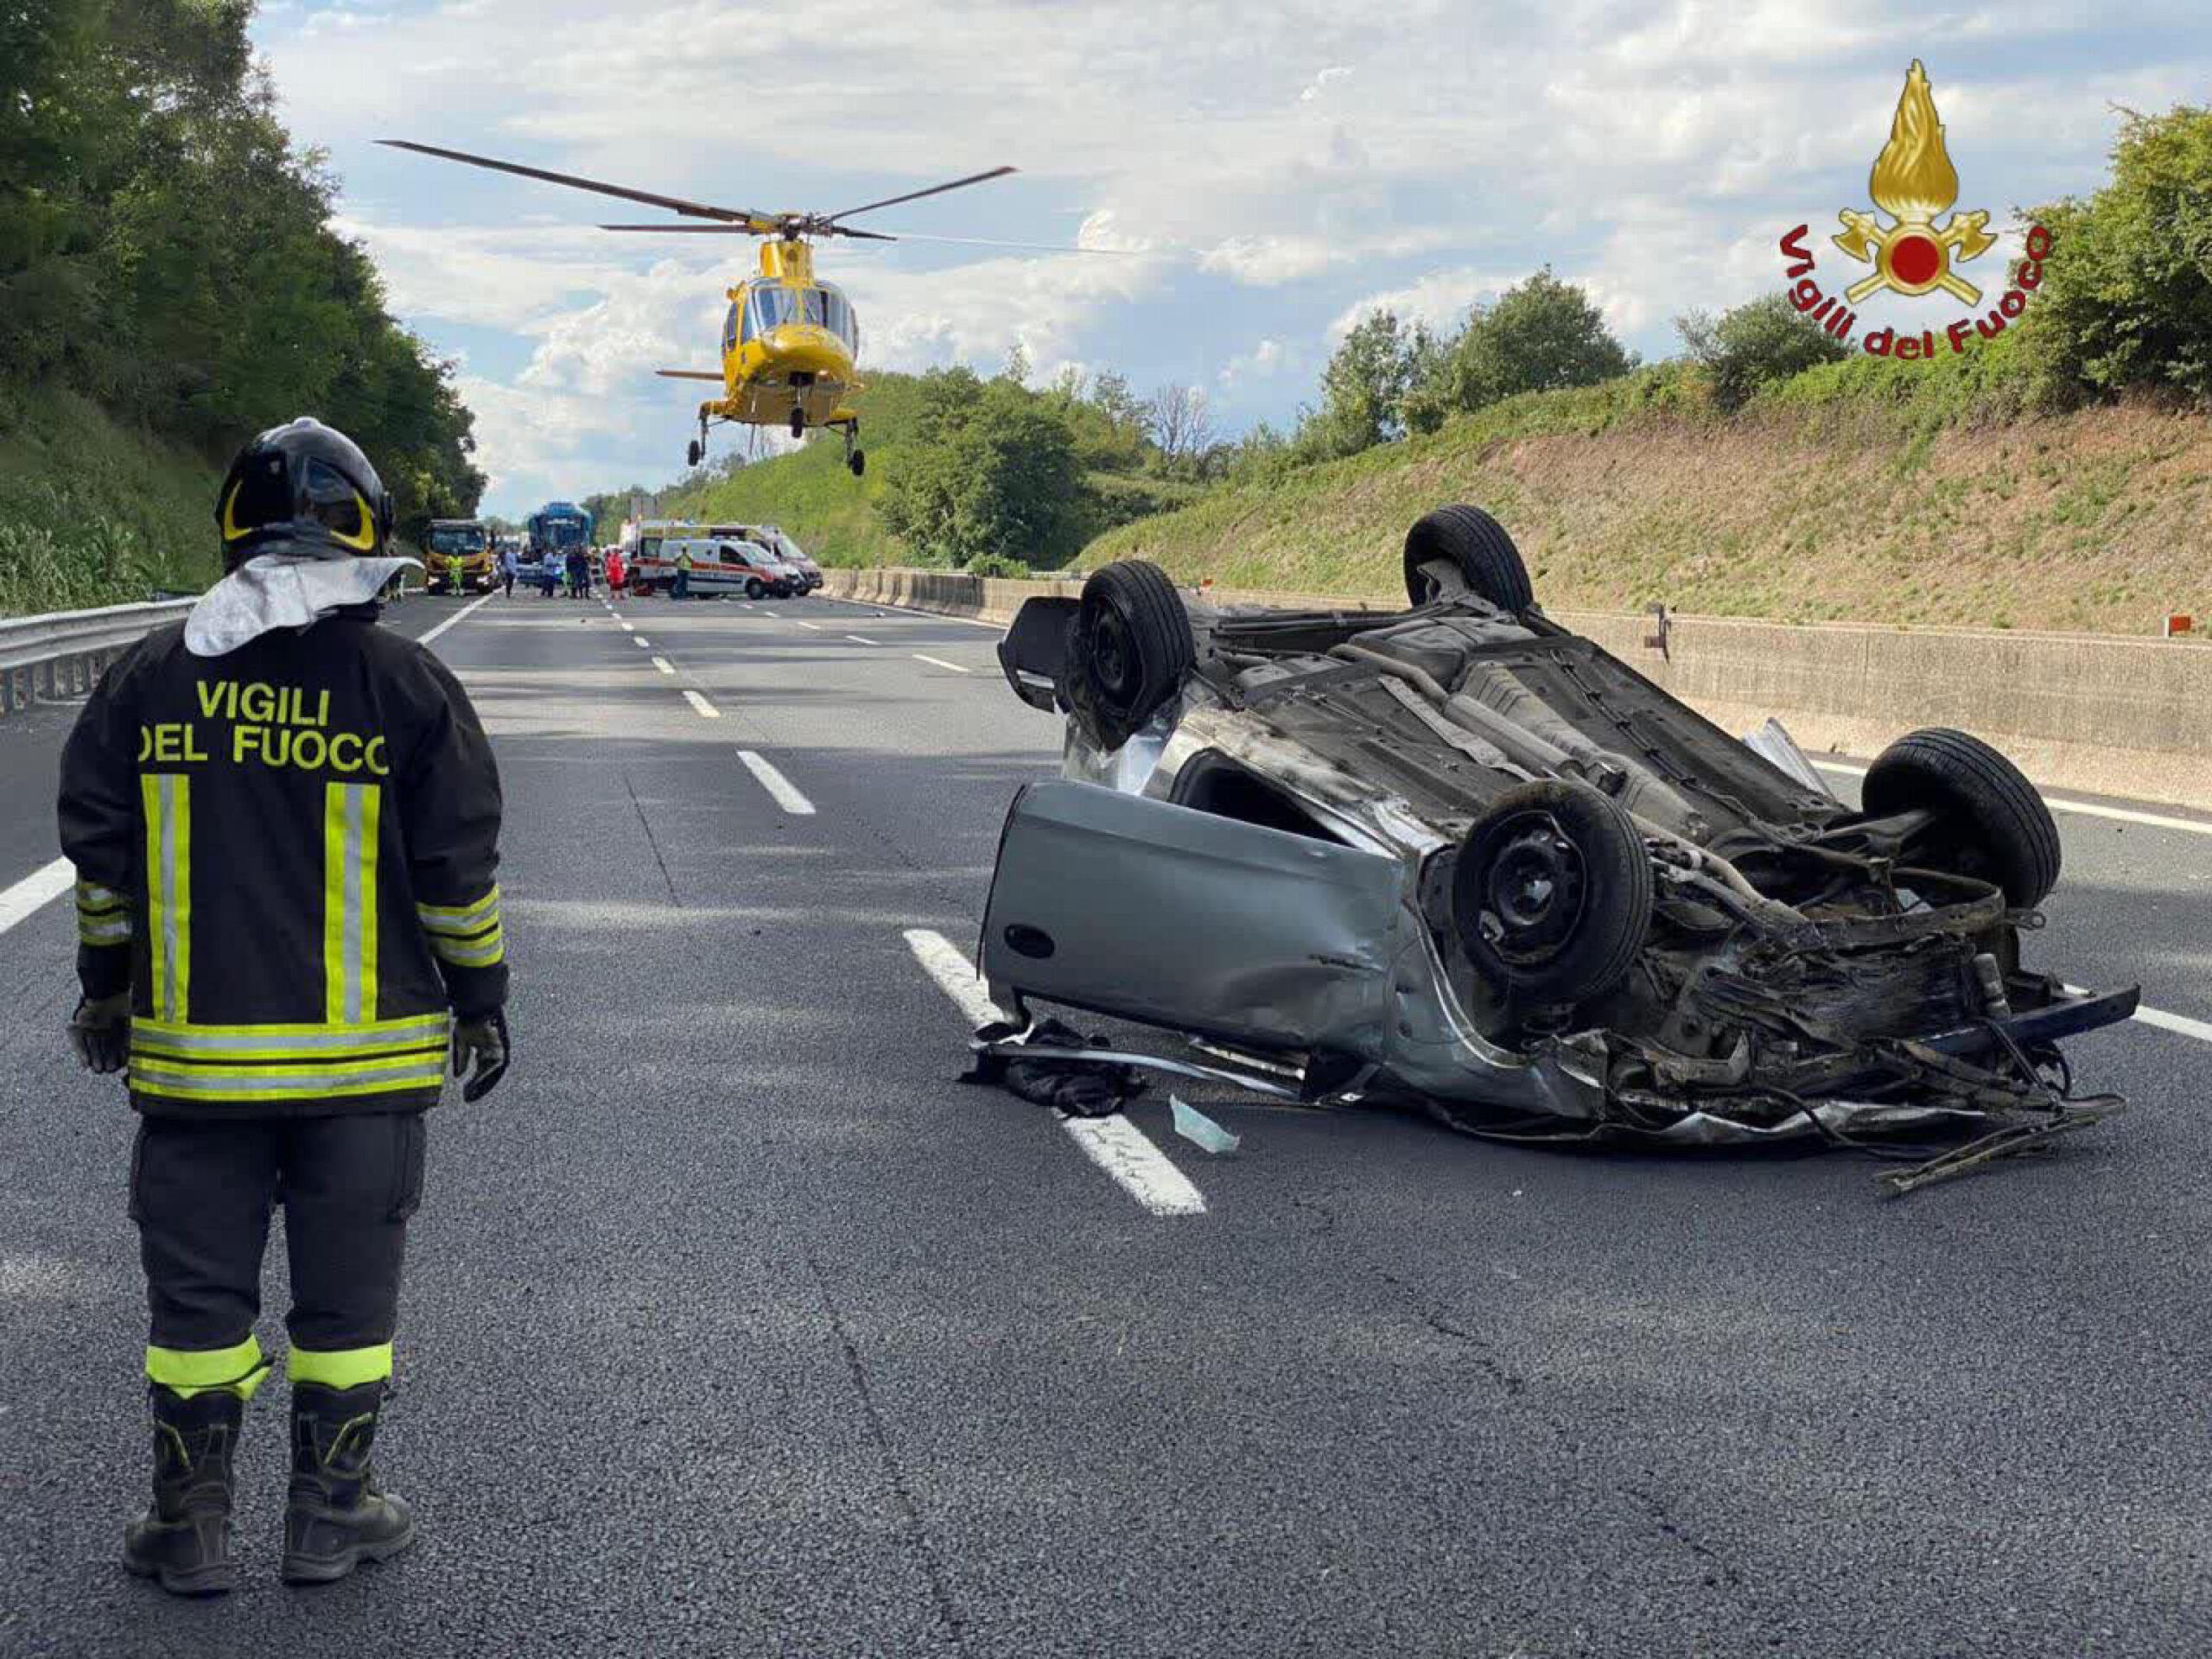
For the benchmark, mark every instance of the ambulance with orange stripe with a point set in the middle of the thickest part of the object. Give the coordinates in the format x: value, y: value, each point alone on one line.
x: 725, y: 560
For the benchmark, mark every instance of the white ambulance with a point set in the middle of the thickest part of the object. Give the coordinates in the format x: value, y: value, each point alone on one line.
x: 722, y: 564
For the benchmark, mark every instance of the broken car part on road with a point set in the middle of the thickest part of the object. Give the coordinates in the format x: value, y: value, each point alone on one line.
x: 1458, y: 856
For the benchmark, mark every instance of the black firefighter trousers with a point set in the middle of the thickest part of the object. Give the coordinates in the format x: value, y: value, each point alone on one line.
x: 201, y: 1193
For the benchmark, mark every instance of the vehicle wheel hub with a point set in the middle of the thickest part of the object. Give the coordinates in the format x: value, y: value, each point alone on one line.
x: 1532, y: 890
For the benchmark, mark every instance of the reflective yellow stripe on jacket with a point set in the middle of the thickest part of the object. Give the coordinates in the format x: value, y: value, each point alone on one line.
x: 349, y: 902
x: 168, y: 800
x: 468, y: 936
x: 103, y: 915
x: 295, y: 1062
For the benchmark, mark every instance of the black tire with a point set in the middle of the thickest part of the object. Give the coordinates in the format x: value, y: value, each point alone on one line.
x: 754, y: 590
x: 1993, y: 825
x: 1551, y: 894
x: 1475, y: 544
x: 1128, y: 651
x: 859, y: 462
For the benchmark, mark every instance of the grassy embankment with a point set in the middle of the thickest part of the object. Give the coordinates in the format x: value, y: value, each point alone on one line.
x: 94, y: 513
x: 1867, y: 490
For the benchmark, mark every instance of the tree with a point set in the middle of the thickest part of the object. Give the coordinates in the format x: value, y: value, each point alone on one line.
x: 1362, y: 389
x: 1016, y: 368
x: 1182, y: 426
x: 1538, y: 336
x: 1755, y: 344
x: 995, y: 473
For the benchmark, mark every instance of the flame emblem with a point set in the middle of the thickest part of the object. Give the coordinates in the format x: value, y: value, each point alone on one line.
x: 1913, y: 181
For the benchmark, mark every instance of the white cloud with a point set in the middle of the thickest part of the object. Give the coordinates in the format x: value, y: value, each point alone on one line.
x: 1273, y: 167
x: 1262, y: 362
x: 1321, y: 83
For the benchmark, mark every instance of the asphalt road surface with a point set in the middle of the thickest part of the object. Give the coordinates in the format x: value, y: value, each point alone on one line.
x: 734, y: 1325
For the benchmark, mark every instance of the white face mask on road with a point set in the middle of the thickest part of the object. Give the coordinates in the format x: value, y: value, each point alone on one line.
x: 279, y: 590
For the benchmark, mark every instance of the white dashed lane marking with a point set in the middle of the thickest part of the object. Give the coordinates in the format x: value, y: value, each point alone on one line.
x: 1113, y: 1143
x: 706, y: 710
x: 861, y: 639
x: 780, y: 788
x: 939, y: 662
x: 663, y: 664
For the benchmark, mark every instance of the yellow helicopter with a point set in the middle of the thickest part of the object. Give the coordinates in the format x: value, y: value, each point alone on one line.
x: 790, y: 343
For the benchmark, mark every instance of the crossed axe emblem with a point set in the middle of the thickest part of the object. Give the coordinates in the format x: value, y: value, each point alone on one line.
x: 1912, y: 255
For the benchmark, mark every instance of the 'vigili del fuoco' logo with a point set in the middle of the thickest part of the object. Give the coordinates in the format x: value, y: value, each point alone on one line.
x: 1913, y: 185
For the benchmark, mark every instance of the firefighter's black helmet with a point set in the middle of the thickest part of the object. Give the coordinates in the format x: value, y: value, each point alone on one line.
x: 306, y: 489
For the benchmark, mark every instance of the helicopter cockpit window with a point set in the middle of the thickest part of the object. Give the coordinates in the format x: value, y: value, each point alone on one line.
x: 837, y: 316
x: 734, y: 330
x: 772, y: 308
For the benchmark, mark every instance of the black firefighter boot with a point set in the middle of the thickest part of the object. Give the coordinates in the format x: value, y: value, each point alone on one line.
x: 184, y: 1538
x: 338, y: 1516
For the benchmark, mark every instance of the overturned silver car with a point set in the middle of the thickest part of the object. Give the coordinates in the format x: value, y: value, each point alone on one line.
x: 1461, y: 856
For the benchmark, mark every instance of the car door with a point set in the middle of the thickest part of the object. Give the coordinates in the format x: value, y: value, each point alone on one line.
x: 1132, y: 906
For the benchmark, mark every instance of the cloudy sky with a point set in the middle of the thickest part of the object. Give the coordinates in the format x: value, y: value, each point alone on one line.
x: 1263, y: 170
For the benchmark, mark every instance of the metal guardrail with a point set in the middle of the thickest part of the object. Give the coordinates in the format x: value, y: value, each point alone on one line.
x: 61, y: 654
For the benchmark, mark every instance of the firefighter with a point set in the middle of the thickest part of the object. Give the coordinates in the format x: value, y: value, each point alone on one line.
x: 682, y: 589
x: 285, y: 822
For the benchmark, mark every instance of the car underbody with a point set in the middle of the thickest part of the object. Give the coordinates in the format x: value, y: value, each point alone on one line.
x: 1460, y: 857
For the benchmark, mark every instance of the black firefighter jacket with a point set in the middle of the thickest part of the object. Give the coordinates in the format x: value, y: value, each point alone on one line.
x: 287, y: 854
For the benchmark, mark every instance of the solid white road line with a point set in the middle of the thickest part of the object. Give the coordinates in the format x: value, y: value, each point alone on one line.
x: 895, y: 612
x: 2088, y: 809
x: 663, y: 664
x: 39, y: 888
x: 2181, y: 1024
x: 1113, y: 1143
x: 780, y: 788
x: 939, y: 662
x: 706, y: 710
x: 454, y: 620
x: 2175, y: 1022
x: 861, y: 638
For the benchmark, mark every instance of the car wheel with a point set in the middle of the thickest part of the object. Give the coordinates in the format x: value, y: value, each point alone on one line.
x: 1129, y: 650
x: 1466, y: 547
x: 1552, y: 895
x: 1989, y: 822
x: 754, y: 590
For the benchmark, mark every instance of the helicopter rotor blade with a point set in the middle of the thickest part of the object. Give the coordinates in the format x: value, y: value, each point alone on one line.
x: 1032, y: 247
x: 916, y: 195
x: 674, y: 204
x: 748, y: 230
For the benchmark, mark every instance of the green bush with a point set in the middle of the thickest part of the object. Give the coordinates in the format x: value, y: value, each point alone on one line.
x: 1540, y: 335
x: 2126, y: 295
x: 999, y: 568
x: 1754, y: 345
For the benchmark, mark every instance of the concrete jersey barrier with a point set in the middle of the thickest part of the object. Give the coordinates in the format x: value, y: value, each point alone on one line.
x: 2088, y: 712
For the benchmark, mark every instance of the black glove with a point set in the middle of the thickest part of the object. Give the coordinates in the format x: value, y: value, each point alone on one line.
x: 99, y: 1031
x: 480, y: 1049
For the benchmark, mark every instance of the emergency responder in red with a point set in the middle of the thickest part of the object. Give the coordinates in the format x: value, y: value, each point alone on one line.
x: 285, y: 822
